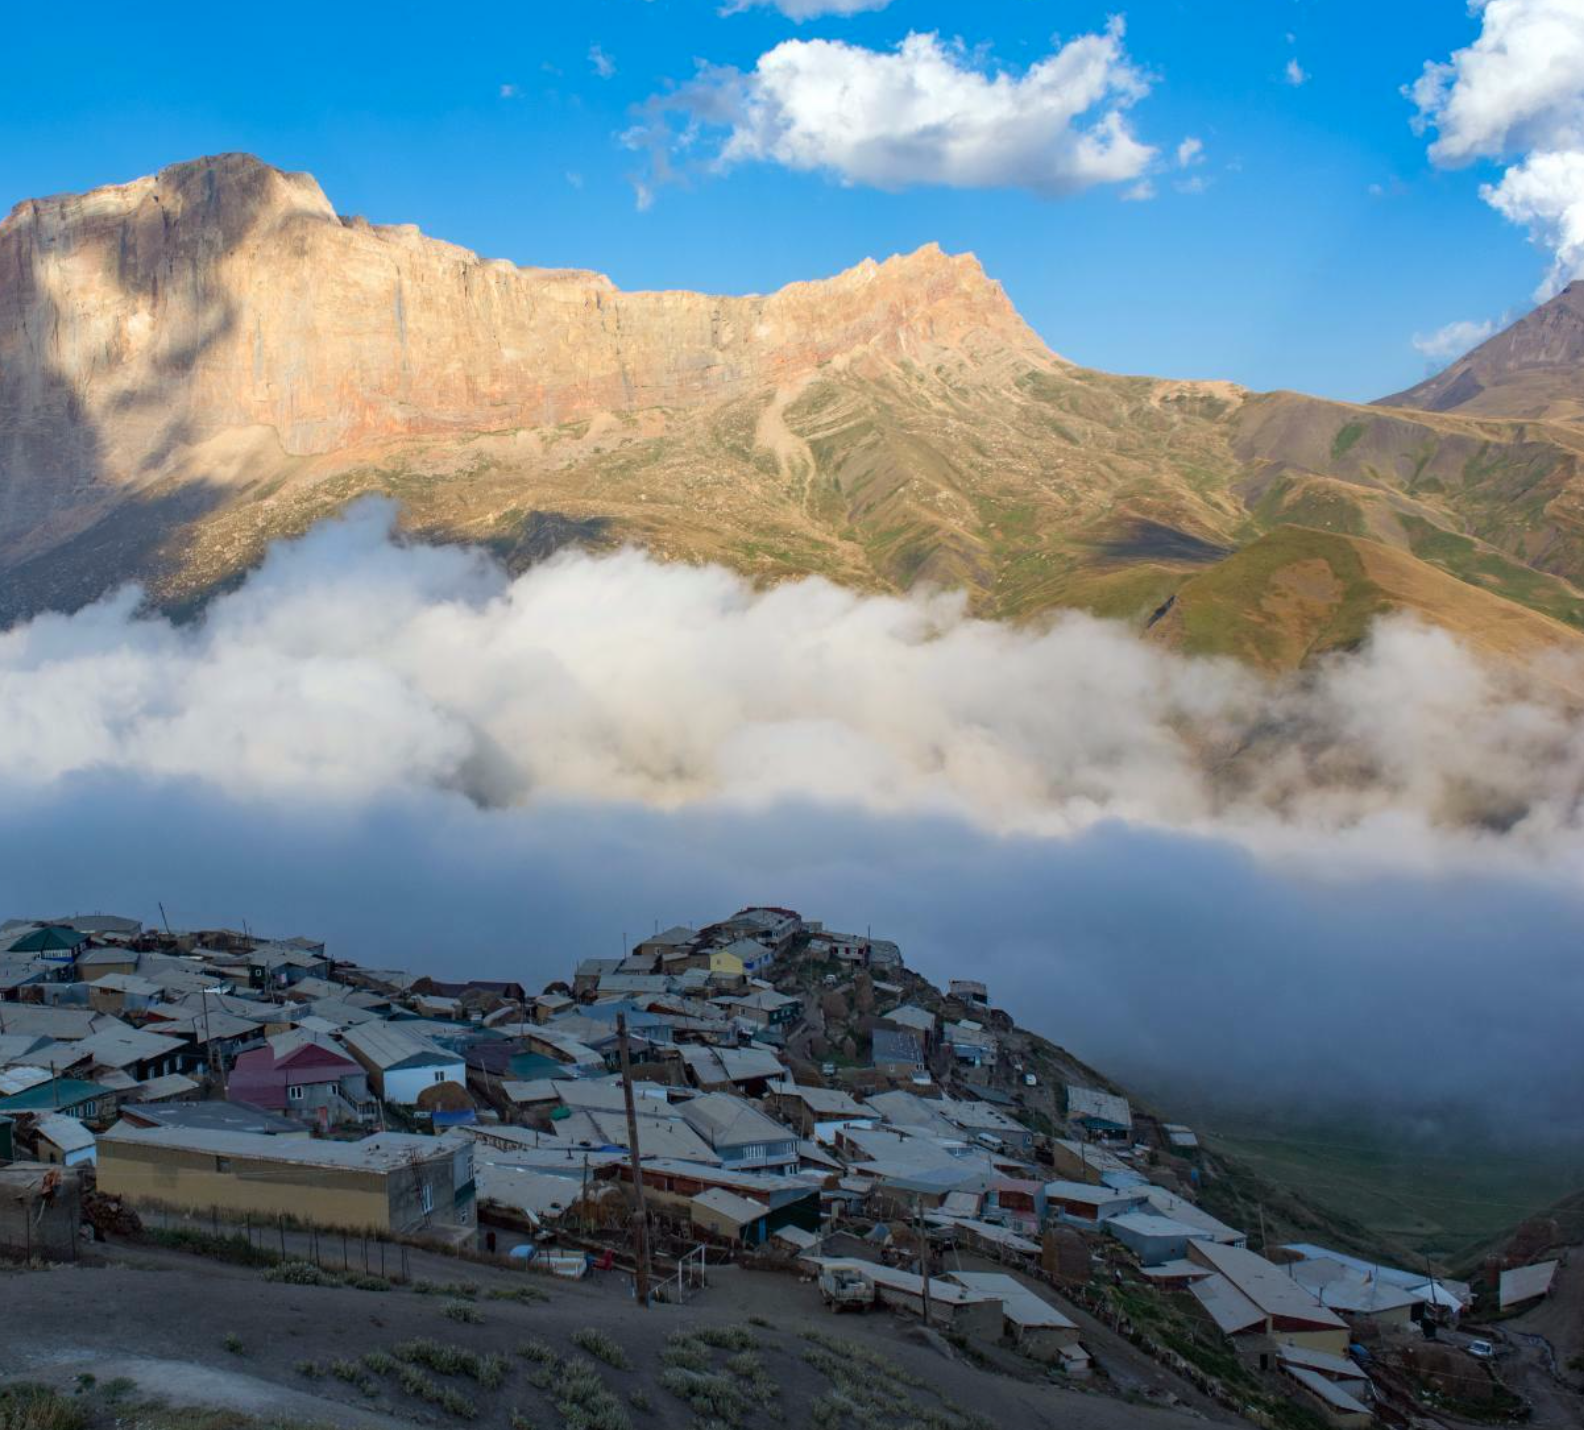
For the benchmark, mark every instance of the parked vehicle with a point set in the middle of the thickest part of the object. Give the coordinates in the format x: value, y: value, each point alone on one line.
x: 1483, y: 1350
x: 844, y: 1288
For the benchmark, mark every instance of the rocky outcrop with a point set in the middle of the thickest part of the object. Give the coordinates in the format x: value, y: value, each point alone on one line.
x: 222, y: 296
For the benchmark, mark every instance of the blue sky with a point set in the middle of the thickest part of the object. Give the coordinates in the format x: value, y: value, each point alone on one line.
x: 1320, y: 238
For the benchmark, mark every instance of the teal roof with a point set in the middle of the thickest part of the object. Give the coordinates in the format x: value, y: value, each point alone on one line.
x: 60, y: 1092
x: 528, y: 1066
x: 51, y: 939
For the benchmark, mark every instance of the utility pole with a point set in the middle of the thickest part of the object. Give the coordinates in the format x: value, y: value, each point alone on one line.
x: 640, y: 1216
x: 924, y: 1267
x: 1264, y: 1240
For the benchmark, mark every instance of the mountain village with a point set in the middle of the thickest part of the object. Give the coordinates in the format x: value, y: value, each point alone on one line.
x: 763, y: 1094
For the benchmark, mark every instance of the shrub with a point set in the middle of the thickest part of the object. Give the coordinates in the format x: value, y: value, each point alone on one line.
x: 460, y: 1290
x: 584, y: 1400
x: 418, y: 1385
x: 301, y: 1273
x: 601, y: 1347
x: 710, y: 1395
x: 461, y: 1311
x: 233, y: 1343
x: 310, y: 1368
x: 684, y: 1351
x: 353, y: 1373
x: 379, y: 1362
x: 727, y: 1338
x: 488, y: 1370
x: 519, y: 1421
x: 238, y: 1250
x: 528, y: 1295
x: 26, y: 1406
x: 640, y: 1399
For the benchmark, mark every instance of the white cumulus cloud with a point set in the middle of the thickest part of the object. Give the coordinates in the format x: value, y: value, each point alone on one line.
x: 801, y: 10
x: 1452, y: 340
x: 1295, y: 74
x: 1517, y: 94
x: 924, y: 113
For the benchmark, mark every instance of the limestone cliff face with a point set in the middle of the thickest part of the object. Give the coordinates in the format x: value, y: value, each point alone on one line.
x: 141, y: 321
x: 200, y: 362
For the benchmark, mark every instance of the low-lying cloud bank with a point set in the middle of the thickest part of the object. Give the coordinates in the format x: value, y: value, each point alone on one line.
x: 1366, y: 880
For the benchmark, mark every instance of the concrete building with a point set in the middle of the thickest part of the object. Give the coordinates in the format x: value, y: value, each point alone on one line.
x: 392, y: 1182
x: 1029, y: 1322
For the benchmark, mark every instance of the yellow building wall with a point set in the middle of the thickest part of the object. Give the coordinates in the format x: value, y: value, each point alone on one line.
x: 1333, y: 1342
x: 725, y: 963
x: 192, y: 1181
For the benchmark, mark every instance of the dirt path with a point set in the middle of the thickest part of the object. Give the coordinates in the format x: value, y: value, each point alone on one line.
x: 163, y: 1319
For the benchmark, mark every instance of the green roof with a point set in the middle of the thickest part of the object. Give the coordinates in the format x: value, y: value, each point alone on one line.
x: 50, y: 939
x: 59, y: 1092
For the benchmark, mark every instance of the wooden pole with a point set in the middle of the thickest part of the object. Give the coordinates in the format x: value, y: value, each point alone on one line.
x: 924, y: 1266
x: 640, y: 1217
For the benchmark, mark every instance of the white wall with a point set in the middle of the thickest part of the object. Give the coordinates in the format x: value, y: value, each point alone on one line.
x: 402, y: 1085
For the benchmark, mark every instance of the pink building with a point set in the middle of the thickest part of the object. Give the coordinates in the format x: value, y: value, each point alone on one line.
x: 303, y: 1077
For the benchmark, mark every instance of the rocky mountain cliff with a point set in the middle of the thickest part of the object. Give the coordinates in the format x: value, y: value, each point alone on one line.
x: 201, y: 361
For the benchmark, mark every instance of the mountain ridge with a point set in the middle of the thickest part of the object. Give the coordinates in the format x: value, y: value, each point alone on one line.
x: 210, y: 358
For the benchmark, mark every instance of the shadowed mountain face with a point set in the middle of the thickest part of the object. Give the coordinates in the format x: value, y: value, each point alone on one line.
x: 201, y: 361
x: 1534, y: 369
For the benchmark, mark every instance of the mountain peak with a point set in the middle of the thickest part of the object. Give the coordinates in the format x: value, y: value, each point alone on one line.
x: 1533, y: 369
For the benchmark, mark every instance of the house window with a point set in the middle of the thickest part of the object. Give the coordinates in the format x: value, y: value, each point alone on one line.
x: 222, y: 1164
x: 440, y: 1077
x: 427, y: 1198
x: 296, y: 1092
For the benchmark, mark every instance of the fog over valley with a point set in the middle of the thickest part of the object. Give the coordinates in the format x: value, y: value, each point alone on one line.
x: 1365, y: 878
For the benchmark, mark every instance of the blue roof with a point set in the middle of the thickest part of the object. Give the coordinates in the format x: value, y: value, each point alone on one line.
x: 58, y: 1092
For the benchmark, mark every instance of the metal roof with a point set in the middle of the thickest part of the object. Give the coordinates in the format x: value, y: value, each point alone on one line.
x: 383, y: 1152
x: 1525, y: 1283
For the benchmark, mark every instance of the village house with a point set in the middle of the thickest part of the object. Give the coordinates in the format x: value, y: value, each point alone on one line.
x: 897, y: 1054
x: 63, y: 1141
x: 391, y: 1183
x: 1253, y: 1301
x: 740, y: 1135
x: 789, y: 1201
x: 1030, y: 1323
x: 123, y: 993
x: 1101, y: 1116
x: 1087, y: 1205
x: 817, y: 1112
x: 400, y: 1064
x: 306, y: 1077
